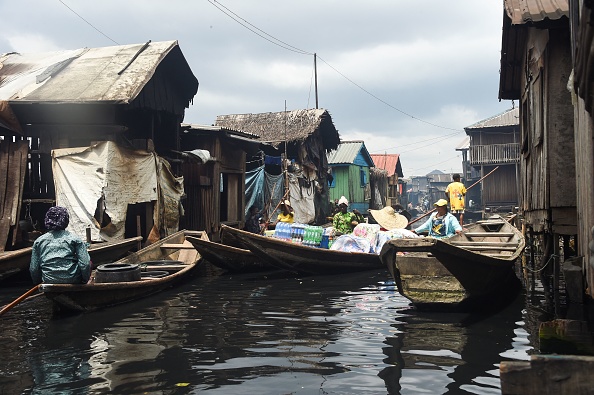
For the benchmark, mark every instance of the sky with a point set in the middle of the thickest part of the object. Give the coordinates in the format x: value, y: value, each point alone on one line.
x: 405, y: 77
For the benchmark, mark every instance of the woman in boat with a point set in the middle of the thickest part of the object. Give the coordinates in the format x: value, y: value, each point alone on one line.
x: 441, y: 223
x: 287, y: 214
x: 58, y: 256
x: 343, y: 221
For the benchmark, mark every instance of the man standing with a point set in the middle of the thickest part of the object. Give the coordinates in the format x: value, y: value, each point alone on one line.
x: 455, y: 192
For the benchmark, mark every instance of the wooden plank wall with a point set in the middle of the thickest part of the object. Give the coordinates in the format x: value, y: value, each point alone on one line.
x: 13, y: 165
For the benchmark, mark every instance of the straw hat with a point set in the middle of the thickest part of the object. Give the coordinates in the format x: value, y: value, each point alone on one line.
x: 389, y: 219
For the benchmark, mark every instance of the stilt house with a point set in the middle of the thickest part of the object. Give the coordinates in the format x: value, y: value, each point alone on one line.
x: 350, y: 164
x: 396, y: 188
x: 111, y: 116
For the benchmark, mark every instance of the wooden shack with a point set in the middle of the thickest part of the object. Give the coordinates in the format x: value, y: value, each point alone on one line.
x: 350, y: 164
x: 494, y: 143
x: 391, y: 163
x: 582, y: 16
x: 131, y: 95
x: 535, y: 70
x: 214, y: 176
x: 301, y: 137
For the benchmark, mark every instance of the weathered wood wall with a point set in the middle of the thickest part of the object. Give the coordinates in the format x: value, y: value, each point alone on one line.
x: 547, y: 164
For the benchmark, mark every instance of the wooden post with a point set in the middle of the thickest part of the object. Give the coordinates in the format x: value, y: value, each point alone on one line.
x: 138, y: 231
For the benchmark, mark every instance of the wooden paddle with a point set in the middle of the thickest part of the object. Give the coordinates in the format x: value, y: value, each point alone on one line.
x: 19, y: 299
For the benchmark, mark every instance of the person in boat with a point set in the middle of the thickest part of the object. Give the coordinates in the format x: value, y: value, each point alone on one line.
x: 287, y: 214
x: 58, y: 256
x: 441, y: 223
x: 252, y: 222
x: 456, y: 193
x: 343, y: 221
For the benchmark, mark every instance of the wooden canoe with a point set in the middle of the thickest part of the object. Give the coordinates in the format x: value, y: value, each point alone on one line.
x: 14, y: 262
x: 230, y: 259
x: 301, y: 259
x: 174, y: 255
x: 470, y: 271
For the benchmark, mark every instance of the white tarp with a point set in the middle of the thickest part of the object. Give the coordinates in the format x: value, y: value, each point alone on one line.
x: 302, y: 200
x: 82, y: 176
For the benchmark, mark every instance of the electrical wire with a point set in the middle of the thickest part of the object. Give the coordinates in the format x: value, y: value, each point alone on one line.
x: 89, y: 23
x: 289, y: 47
x: 416, y: 142
x: 276, y: 41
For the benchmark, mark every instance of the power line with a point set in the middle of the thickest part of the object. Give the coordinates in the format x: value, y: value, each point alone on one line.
x: 288, y: 47
x: 435, y: 164
x: 276, y: 41
x: 416, y: 142
x: 88, y: 23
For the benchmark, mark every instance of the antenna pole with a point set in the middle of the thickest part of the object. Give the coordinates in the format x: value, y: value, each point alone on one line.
x: 316, y: 77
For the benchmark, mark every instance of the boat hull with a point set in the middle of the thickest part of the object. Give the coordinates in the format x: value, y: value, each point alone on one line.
x: 439, y: 275
x: 172, y: 254
x: 228, y: 258
x: 301, y: 259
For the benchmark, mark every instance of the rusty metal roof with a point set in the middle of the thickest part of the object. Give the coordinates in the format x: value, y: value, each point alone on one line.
x: 114, y: 74
x: 524, y: 11
x: 389, y: 162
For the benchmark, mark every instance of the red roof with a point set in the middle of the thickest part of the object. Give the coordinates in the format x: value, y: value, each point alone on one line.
x: 388, y: 162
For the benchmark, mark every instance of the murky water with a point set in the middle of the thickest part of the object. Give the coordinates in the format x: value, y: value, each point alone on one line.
x: 254, y: 334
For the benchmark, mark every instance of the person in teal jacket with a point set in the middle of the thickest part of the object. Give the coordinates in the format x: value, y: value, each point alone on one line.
x: 58, y: 256
x: 441, y: 223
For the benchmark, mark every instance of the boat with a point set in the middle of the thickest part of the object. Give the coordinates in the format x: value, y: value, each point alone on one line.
x: 17, y: 261
x: 161, y: 265
x: 301, y: 259
x: 471, y: 271
x: 229, y: 258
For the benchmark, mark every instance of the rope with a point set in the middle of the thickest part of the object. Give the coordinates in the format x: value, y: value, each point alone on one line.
x: 544, y: 266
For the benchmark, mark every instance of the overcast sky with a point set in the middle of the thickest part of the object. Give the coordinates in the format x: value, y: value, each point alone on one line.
x: 405, y: 77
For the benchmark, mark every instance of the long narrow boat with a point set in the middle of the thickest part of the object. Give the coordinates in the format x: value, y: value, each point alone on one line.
x: 14, y: 262
x: 174, y: 258
x: 470, y: 271
x: 230, y: 259
x: 302, y: 259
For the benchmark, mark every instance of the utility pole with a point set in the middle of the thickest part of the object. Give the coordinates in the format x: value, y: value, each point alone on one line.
x: 316, y: 77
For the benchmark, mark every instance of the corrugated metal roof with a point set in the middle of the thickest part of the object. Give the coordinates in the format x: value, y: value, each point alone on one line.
x: 524, y: 11
x: 347, y: 152
x: 389, y: 162
x: 509, y: 117
x: 109, y: 74
x: 274, y: 127
x: 220, y: 129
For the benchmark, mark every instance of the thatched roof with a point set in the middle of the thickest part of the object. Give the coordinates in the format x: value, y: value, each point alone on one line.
x: 295, y: 126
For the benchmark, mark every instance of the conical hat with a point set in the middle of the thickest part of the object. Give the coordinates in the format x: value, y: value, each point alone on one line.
x: 388, y: 219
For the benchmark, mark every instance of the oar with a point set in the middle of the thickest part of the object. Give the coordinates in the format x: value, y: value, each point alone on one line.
x: 19, y: 299
x: 429, y: 212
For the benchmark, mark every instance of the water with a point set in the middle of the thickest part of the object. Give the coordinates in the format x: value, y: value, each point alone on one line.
x: 255, y: 334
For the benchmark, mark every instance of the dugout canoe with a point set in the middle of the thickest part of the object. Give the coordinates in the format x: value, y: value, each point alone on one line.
x: 173, y: 258
x: 17, y: 261
x: 230, y: 259
x: 472, y: 271
x: 301, y: 259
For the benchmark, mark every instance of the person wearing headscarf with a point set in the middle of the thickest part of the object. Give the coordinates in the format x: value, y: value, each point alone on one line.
x: 343, y: 221
x: 441, y: 223
x: 58, y: 256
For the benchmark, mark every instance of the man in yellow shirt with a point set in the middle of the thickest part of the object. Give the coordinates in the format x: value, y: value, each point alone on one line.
x: 456, y: 192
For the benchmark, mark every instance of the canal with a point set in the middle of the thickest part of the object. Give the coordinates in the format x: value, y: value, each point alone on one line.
x: 264, y: 334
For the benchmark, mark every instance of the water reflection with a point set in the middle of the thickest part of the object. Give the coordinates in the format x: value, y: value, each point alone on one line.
x: 352, y: 334
x: 454, y: 352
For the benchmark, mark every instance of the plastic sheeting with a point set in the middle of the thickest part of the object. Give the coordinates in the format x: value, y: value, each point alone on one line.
x: 254, y: 189
x: 85, y: 175
x: 302, y: 199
